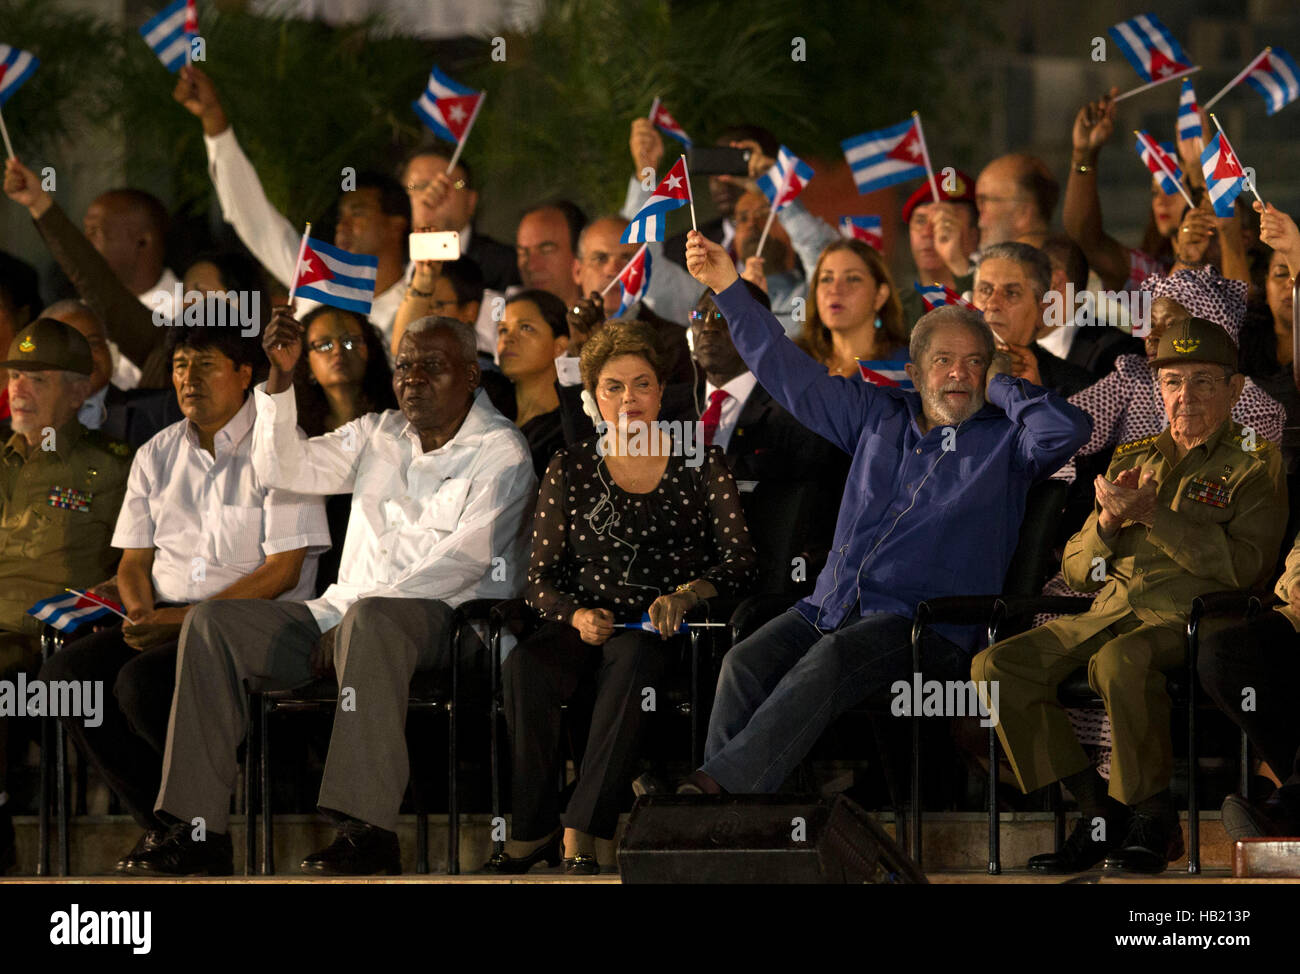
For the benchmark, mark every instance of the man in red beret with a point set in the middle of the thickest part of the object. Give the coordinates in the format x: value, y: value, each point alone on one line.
x: 943, y: 235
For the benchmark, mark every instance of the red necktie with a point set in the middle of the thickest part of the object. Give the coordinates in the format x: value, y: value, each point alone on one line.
x: 713, y: 414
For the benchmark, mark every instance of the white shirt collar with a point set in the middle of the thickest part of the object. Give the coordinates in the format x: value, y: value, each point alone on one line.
x: 93, y: 412
x: 229, y: 435
x: 738, y: 388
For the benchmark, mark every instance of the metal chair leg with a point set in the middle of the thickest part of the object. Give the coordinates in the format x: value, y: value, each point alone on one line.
x: 697, y: 744
x: 1245, y: 766
x: 918, y: 627
x: 46, y: 775
x: 1193, y: 799
x: 995, y: 823
x: 494, y: 718
x: 251, y: 746
x: 61, y: 786
x: 264, y: 787
x: 453, y: 809
x: 1058, y: 811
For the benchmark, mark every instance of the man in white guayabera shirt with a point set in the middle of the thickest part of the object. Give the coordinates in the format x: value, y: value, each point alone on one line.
x: 441, y: 493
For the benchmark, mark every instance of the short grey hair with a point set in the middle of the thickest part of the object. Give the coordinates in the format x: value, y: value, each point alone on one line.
x: 1037, y: 265
x: 949, y: 314
x: 464, y: 333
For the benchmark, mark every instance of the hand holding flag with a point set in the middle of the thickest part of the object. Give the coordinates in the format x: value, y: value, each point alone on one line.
x: 73, y: 609
x: 170, y: 32
x: 665, y: 123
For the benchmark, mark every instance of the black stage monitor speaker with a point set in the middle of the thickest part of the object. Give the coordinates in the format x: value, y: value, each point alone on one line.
x: 758, y: 839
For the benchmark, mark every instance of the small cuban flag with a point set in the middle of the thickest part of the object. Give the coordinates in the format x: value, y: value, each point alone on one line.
x: 1224, y: 177
x: 1277, y: 79
x: 890, y: 373
x: 1189, y: 113
x: 447, y: 107
x: 169, y: 33
x: 67, y: 612
x: 1149, y: 47
x: 672, y: 193
x: 647, y: 625
x: 666, y: 124
x: 789, y: 172
x: 1153, y: 155
x: 15, y: 67
x: 886, y: 156
x: 634, y: 280
x: 938, y: 295
x: 334, y: 276
x: 864, y: 228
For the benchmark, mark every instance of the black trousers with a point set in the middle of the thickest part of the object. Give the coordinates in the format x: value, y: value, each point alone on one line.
x: 552, y: 667
x: 1261, y: 655
x: 127, y: 747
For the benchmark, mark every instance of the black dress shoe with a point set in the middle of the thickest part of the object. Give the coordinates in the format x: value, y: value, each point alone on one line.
x: 360, y: 849
x: 581, y: 866
x: 1080, y: 852
x: 505, y: 864
x: 1153, y: 841
x: 177, y: 854
x: 148, y: 842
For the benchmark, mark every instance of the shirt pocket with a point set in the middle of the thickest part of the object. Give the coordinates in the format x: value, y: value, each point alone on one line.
x: 239, y: 536
x: 442, y: 511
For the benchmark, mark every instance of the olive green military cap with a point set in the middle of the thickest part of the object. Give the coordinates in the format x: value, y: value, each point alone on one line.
x: 48, y: 344
x: 1196, y: 340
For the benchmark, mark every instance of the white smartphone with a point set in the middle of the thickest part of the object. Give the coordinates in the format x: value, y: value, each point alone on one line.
x: 436, y: 245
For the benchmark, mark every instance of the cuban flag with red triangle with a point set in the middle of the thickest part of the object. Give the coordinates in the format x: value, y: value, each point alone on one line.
x: 1277, y: 79
x: 337, y: 277
x: 1224, y: 177
x: 1149, y: 47
x: 72, y: 609
x: 672, y: 193
x: 15, y: 67
x: 885, y: 157
x: 937, y: 295
x: 633, y: 280
x: 447, y: 106
x: 789, y: 175
x: 1153, y: 154
x: 665, y: 123
x: 889, y: 373
x: 864, y: 228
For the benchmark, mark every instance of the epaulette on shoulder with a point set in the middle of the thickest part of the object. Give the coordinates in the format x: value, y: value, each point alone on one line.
x: 1135, y: 446
x: 1248, y: 441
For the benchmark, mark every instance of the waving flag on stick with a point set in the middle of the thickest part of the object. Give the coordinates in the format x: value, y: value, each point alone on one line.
x: 1160, y: 160
x: 1189, y: 113
x: 672, y: 193
x: 449, y: 109
x: 890, y: 373
x: 169, y: 32
x: 937, y: 295
x: 864, y: 228
x: 334, y: 276
x: 67, y: 612
x: 666, y: 124
x: 889, y: 155
x: 1273, y: 73
x: 15, y: 67
x: 781, y: 184
x: 1150, y: 48
x: 634, y: 279
x: 1224, y: 177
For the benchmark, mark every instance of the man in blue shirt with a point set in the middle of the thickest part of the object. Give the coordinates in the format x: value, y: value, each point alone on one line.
x: 932, y: 507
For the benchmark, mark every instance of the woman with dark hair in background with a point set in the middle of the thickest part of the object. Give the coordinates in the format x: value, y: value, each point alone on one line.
x: 853, y: 310
x: 344, y: 373
x: 532, y: 333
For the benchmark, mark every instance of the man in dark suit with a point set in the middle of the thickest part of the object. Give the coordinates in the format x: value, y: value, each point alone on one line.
x: 1096, y: 346
x: 447, y: 201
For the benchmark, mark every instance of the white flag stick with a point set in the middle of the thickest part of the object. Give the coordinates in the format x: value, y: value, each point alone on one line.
x: 771, y: 214
x: 1236, y: 81
x: 635, y: 258
x: 302, y: 250
x: 654, y: 107
x: 87, y: 595
x: 9, y: 147
x: 455, y: 156
x: 1155, y: 84
x: 925, y: 155
x: 1160, y: 161
x: 1248, y: 179
x: 689, y: 195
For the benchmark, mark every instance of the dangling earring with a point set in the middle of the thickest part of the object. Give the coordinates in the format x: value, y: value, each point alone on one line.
x: 879, y: 323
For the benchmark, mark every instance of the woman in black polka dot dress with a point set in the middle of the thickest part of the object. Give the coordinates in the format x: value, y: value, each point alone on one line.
x: 622, y: 528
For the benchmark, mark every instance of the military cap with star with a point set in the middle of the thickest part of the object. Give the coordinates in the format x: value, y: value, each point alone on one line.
x: 1196, y: 340
x: 47, y: 344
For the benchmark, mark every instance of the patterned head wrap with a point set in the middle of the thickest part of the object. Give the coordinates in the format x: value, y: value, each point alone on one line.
x: 1204, y: 293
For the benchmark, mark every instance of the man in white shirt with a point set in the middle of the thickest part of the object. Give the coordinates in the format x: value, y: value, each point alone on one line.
x: 441, y: 493
x: 197, y: 523
x: 374, y: 218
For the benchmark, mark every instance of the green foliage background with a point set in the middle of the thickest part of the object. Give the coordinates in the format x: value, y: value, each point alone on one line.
x: 308, y: 99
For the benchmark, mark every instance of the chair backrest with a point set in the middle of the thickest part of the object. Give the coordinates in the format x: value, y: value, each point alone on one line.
x: 1034, y: 560
x: 780, y: 515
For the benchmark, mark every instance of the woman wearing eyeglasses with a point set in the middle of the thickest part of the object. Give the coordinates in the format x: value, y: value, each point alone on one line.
x: 344, y: 374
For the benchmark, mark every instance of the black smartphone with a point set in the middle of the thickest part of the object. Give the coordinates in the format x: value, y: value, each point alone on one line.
x: 717, y: 160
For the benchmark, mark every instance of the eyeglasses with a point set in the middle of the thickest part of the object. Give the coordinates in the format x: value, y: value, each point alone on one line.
x: 326, y: 345
x: 706, y: 315
x: 421, y: 187
x: 1199, y: 384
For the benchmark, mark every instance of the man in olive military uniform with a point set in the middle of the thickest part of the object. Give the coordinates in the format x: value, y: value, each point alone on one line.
x: 1200, y: 507
x: 60, y: 489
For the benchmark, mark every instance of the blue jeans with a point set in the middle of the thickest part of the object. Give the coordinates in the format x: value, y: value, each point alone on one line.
x: 783, y: 685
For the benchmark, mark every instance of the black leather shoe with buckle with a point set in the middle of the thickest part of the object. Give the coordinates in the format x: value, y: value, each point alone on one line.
x: 1080, y: 852
x: 1153, y: 841
x: 360, y: 849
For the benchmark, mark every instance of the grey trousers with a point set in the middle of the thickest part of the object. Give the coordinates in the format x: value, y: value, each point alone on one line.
x: 379, y: 646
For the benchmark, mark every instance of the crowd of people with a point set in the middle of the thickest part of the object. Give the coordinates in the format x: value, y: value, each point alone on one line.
x: 317, y: 497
